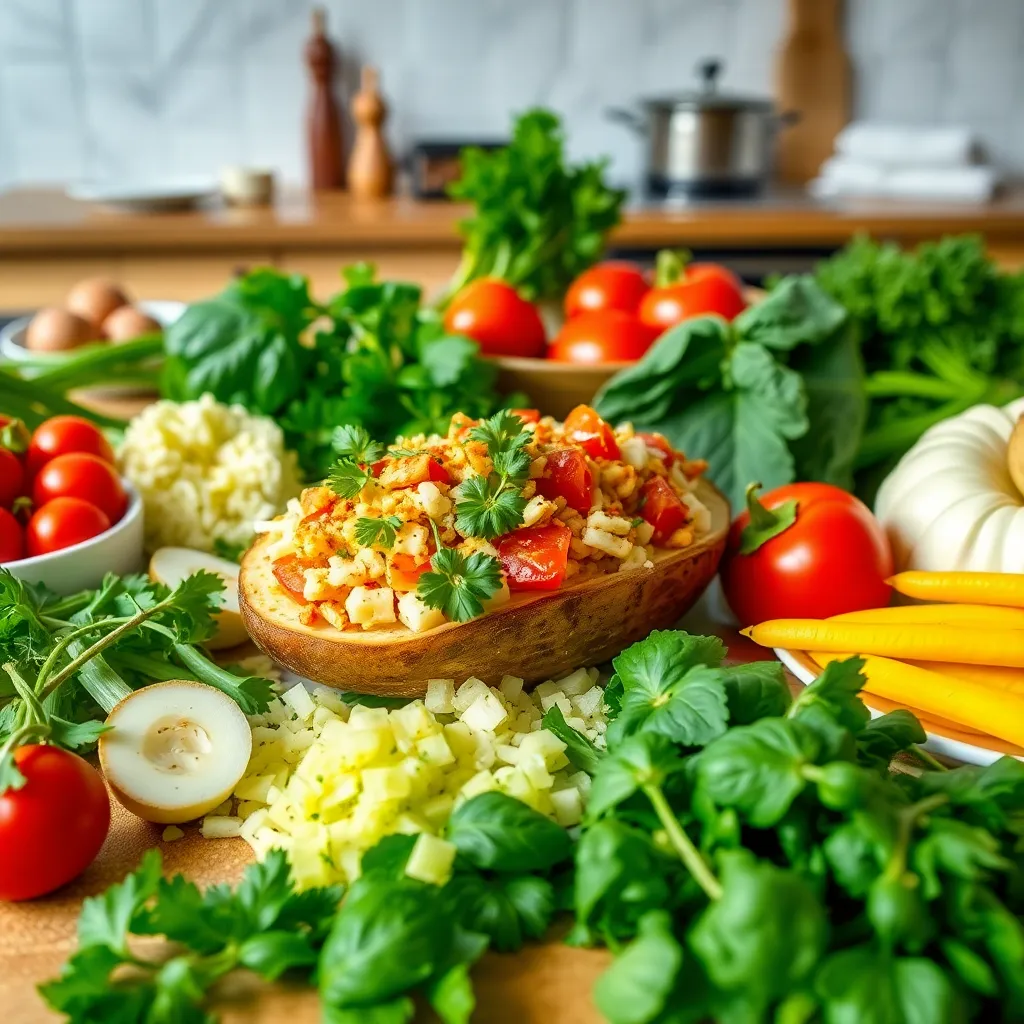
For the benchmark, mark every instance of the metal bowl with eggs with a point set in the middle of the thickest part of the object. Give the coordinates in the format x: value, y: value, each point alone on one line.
x: 96, y: 312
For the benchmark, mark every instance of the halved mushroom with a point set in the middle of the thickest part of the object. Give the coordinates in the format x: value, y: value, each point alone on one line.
x: 175, y: 750
x: 171, y: 565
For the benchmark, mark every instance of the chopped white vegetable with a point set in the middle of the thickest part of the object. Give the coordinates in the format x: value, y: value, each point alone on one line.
x: 431, y: 859
x: 485, y: 714
x: 171, y: 833
x: 440, y: 696
x: 215, y: 827
x: 299, y: 700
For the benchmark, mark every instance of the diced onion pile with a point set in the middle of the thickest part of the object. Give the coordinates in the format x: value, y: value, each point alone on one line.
x: 326, y: 781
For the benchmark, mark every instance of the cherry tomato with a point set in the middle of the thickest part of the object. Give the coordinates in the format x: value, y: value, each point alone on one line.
x: 584, y: 427
x: 601, y: 336
x: 12, y: 478
x: 52, y: 827
x: 494, y: 314
x: 662, y: 508
x: 62, y: 435
x: 833, y: 558
x: 62, y: 522
x: 616, y: 284
x: 568, y: 476
x: 660, y: 445
x: 702, y: 271
x: 81, y: 476
x: 289, y: 572
x: 404, y: 572
x: 12, y: 538
x: 663, y: 308
x: 535, y: 558
x: 527, y: 415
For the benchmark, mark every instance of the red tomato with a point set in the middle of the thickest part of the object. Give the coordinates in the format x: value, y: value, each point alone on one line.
x: 834, y: 558
x: 12, y: 478
x: 616, y: 284
x: 527, y: 415
x: 289, y: 570
x: 568, y: 476
x: 535, y: 558
x: 81, y: 476
x: 62, y: 435
x: 12, y: 538
x: 702, y: 271
x: 494, y: 314
x: 52, y: 828
x: 404, y: 572
x: 663, y: 308
x: 601, y: 336
x: 660, y: 445
x: 584, y: 427
x: 662, y: 508
x: 62, y: 522
x: 411, y: 471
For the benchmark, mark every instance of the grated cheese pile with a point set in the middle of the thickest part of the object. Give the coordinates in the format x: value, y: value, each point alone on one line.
x: 206, y: 472
x: 326, y: 781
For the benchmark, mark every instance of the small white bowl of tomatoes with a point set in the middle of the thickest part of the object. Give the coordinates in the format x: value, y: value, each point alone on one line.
x: 613, y: 313
x: 66, y: 516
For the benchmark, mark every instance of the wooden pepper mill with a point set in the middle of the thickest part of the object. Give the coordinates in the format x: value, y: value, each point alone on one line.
x: 370, y: 171
x: 326, y: 146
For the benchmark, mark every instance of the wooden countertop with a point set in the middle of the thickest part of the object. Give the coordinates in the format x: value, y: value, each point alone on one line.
x: 45, y: 223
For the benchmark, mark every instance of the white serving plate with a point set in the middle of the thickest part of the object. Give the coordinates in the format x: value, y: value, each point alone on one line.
x: 164, y: 196
x: 83, y: 566
x: 941, y: 740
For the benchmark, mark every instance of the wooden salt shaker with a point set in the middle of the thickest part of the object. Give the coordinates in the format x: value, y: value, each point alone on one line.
x: 326, y: 146
x: 370, y: 171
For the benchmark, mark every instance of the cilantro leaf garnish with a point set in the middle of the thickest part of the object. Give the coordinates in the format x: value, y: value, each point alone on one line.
x: 458, y: 585
x: 493, y: 505
x: 347, y: 478
x: 355, y: 443
x: 487, y: 508
x: 382, y: 532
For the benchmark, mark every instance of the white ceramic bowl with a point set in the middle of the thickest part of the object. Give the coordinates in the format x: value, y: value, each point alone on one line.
x: 84, y: 565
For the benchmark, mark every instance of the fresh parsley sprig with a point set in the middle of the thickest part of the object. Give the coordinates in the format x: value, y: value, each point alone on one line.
x: 380, y: 532
x: 357, y: 452
x: 493, y: 505
x: 458, y: 584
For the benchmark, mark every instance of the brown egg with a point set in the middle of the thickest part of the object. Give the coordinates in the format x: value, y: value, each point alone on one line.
x: 95, y: 299
x: 127, y: 322
x: 57, y: 330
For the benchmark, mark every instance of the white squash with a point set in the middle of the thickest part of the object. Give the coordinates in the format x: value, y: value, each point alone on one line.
x: 955, y: 501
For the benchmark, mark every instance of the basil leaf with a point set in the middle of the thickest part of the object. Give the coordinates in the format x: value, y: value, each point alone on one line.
x: 756, y: 690
x: 641, y: 760
x: 578, y: 748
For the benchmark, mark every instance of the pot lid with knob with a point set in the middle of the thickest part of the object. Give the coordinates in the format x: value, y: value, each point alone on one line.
x: 707, y: 97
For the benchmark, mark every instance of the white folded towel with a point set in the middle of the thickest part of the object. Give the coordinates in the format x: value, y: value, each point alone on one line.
x: 840, y: 177
x: 896, y: 145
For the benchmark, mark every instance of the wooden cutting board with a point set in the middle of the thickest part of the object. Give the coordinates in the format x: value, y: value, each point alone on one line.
x: 539, y: 985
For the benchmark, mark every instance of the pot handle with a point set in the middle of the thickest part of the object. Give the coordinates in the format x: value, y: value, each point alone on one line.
x: 627, y: 117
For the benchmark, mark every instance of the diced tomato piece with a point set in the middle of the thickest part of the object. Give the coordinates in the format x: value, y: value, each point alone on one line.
x: 527, y: 415
x: 436, y: 473
x: 535, y: 558
x: 662, y: 508
x: 568, y: 476
x: 584, y: 427
x: 660, y: 445
x: 412, y: 470
x: 404, y: 572
x: 378, y: 467
x: 289, y: 572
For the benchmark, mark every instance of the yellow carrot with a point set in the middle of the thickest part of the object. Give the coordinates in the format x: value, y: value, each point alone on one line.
x: 967, y: 645
x: 952, y: 614
x: 973, y: 705
x: 1011, y: 680
x: 881, y: 704
x: 1000, y: 588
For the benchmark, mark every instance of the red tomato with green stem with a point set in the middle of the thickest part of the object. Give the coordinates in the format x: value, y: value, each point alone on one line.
x: 62, y: 522
x: 601, y: 336
x: 535, y: 558
x: 615, y: 284
x: 498, y: 318
x: 662, y: 508
x: 12, y: 538
x: 12, y: 478
x: 584, y: 427
x: 53, y: 826
x: 83, y: 476
x: 567, y: 475
x: 805, y: 550
x: 682, y: 292
x: 63, y: 435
